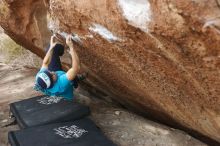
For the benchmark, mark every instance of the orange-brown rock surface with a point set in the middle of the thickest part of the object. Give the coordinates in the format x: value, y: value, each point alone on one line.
x: 160, y: 57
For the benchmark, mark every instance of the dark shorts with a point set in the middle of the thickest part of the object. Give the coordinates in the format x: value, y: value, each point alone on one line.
x: 55, y: 64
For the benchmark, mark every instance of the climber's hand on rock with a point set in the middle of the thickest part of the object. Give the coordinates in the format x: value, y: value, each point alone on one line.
x: 53, y: 41
x: 69, y: 41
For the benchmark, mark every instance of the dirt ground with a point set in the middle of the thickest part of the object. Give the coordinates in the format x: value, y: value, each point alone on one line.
x: 124, y: 128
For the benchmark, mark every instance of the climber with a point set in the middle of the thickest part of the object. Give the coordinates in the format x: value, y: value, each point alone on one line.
x: 51, y: 79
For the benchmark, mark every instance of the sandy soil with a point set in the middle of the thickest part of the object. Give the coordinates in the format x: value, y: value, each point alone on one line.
x: 123, y: 127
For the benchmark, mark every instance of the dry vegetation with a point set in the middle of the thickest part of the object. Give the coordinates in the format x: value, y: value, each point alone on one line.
x: 14, y: 54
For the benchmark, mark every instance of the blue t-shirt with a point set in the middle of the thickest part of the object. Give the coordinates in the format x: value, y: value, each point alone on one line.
x: 62, y: 87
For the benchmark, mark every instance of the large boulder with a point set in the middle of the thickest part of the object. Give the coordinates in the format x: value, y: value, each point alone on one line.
x: 159, y: 57
x: 26, y: 23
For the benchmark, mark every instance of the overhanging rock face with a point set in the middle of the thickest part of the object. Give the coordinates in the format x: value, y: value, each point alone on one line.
x: 159, y: 57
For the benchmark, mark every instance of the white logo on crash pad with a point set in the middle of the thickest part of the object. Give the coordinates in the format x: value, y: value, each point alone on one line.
x: 70, y: 131
x: 49, y: 100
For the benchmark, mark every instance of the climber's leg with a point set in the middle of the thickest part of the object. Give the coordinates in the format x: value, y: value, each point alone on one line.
x: 55, y: 64
x: 78, y: 78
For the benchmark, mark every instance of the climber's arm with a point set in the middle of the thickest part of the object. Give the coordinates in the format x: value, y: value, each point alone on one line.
x: 72, y: 72
x: 48, y: 56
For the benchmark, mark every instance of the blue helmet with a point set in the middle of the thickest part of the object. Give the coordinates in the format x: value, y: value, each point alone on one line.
x: 44, y: 79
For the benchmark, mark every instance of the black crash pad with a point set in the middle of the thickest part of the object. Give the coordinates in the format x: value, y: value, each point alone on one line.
x: 42, y: 110
x: 82, y: 132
